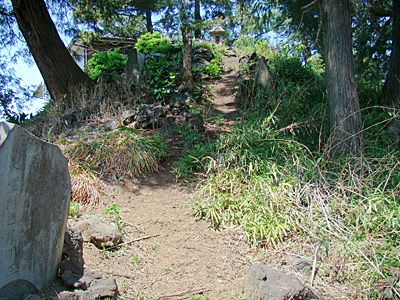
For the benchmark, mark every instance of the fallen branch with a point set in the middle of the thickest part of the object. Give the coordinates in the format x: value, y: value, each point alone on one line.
x: 135, y: 240
x: 190, y: 292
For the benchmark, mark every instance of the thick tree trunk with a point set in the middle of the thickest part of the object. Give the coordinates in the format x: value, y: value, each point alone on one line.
x: 187, y: 58
x: 60, y: 72
x: 197, y: 19
x: 391, y: 90
x: 343, y: 102
x: 149, y: 23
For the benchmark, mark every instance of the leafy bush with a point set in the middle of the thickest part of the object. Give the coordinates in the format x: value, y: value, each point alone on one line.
x: 152, y: 42
x: 109, y: 62
x: 161, y: 75
x: 213, y: 69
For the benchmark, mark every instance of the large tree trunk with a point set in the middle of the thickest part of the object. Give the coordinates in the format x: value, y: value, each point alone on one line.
x: 60, y: 72
x: 149, y: 23
x: 343, y: 102
x: 197, y: 19
x: 391, y: 90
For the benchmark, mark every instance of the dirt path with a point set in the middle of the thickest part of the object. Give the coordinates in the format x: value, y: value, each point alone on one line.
x: 223, y: 91
x: 179, y: 255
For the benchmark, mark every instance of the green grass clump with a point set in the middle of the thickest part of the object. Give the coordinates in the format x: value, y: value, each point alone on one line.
x: 121, y: 153
x: 283, y: 195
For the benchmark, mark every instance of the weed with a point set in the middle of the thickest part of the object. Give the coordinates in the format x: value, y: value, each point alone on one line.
x: 114, y: 211
x: 74, y: 209
x: 135, y: 259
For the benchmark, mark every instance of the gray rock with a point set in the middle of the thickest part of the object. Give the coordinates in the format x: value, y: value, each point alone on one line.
x: 111, y: 125
x: 302, y: 263
x: 98, y: 232
x: 263, y: 75
x: 71, y: 267
x: 104, y: 287
x: 92, y: 286
x: 128, y: 116
x: 34, y: 199
x: 201, y: 53
x: 195, y: 121
x: 131, y: 72
x: 230, y: 52
x: 264, y: 283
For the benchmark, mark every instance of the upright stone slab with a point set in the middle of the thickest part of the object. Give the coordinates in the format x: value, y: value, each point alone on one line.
x: 263, y: 75
x: 34, y: 203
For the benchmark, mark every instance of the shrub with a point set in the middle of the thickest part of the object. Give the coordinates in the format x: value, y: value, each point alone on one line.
x: 110, y: 62
x: 152, y: 42
x: 161, y: 76
x: 213, y: 69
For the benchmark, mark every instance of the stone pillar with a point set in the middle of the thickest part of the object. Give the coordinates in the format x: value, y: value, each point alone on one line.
x: 131, y: 72
x: 34, y: 202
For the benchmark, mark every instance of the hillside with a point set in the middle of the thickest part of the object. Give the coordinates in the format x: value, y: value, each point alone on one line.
x: 239, y: 174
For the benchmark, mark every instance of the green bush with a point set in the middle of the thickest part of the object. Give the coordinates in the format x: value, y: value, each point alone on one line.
x: 213, y: 69
x: 110, y: 62
x: 152, y: 42
x: 161, y: 76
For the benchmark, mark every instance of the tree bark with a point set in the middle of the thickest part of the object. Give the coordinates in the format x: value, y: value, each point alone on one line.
x: 391, y: 89
x: 60, y: 72
x: 149, y: 23
x: 343, y: 102
x: 197, y: 19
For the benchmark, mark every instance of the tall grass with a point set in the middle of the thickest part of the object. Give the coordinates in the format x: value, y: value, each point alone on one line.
x: 284, y: 196
x: 121, y: 154
x: 269, y: 176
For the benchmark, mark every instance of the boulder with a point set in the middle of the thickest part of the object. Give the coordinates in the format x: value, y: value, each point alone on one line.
x: 99, y: 232
x: 263, y: 75
x: 201, y: 53
x: 34, y: 200
x: 264, y: 283
x: 195, y: 121
x: 128, y: 116
x: 230, y: 52
x: 98, y: 288
x: 71, y: 267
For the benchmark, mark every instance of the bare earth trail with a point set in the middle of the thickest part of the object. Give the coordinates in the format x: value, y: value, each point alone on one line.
x: 179, y: 255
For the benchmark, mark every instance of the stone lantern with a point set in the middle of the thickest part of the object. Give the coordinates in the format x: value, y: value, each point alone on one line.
x: 217, y: 32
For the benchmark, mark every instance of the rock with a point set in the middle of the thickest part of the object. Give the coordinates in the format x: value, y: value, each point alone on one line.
x: 98, y: 232
x: 195, y: 121
x: 263, y: 75
x: 302, y: 263
x: 265, y: 283
x: 131, y: 72
x: 111, y: 125
x: 178, y: 105
x: 202, y: 53
x: 128, y: 116
x: 71, y: 267
x: 92, y: 286
x: 247, y: 62
x: 104, y: 287
x: 35, y: 192
x: 230, y: 52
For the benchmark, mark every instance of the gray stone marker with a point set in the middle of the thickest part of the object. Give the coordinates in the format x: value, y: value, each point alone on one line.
x: 34, y: 202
